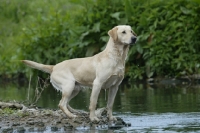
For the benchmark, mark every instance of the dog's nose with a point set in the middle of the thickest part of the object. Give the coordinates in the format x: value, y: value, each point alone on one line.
x: 133, y: 39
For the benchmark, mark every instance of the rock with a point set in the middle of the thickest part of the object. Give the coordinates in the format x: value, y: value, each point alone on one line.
x: 15, y: 124
x: 68, y: 127
x: 54, y: 129
x: 40, y: 124
x: 31, y: 129
x: 128, y: 124
x: 30, y: 123
x: 41, y: 129
x: 20, y: 130
x: 64, y: 121
x: 78, y: 121
x: 7, y: 130
x: 38, y: 119
x: 30, y: 119
x: 118, y: 123
x: 100, y: 111
x: 58, y: 122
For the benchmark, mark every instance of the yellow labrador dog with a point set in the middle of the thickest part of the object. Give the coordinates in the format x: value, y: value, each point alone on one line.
x: 103, y: 70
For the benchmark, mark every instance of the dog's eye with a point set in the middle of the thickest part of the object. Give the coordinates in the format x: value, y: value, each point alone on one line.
x: 124, y: 32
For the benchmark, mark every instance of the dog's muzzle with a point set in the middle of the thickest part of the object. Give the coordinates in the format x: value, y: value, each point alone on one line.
x: 133, y: 39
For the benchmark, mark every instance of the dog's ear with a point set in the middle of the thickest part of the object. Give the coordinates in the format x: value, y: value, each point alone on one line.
x: 113, y: 33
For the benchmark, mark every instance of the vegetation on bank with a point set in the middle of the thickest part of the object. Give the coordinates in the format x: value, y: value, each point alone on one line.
x: 51, y: 31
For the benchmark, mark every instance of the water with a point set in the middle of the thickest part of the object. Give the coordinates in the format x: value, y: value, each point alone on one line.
x: 156, y: 108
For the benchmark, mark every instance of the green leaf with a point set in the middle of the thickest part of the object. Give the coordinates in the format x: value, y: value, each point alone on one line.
x: 96, y: 27
x: 185, y: 10
x: 84, y: 34
x: 139, y: 49
x: 116, y: 15
x: 155, y: 23
x: 149, y: 75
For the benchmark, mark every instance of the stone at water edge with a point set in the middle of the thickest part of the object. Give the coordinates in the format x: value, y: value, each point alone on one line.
x: 118, y: 124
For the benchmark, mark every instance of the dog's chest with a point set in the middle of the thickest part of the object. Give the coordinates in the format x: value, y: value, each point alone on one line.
x: 115, y: 78
x: 119, y: 70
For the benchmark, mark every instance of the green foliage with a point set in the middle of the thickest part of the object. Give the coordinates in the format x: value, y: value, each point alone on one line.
x: 7, y: 111
x: 93, y: 34
x: 169, y: 42
x: 60, y: 37
x: 12, y: 14
x: 47, y: 40
x: 52, y: 31
x: 10, y: 111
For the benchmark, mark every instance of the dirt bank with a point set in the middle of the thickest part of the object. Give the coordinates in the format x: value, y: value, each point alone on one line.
x: 19, y: 118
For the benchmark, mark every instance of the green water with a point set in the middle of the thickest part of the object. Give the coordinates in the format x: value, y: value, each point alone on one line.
x: 152, y: 108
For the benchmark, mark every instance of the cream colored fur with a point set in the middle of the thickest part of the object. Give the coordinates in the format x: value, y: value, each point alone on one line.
x: 103, y: 70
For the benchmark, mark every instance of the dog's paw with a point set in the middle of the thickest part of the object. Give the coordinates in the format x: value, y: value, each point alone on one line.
x: 112, y: 118
x: 72, y: 116
x: 94, y: 119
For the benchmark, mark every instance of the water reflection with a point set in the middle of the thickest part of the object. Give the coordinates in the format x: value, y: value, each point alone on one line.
x: 135, y: 98
x: 162, y: 122
x: 141, y: 98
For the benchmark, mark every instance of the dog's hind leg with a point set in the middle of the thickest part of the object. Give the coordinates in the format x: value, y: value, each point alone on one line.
x: 74, y: 111
x: 67, y: 90
x: 74, y: 93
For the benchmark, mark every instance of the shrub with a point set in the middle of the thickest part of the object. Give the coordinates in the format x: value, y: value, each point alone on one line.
x: 169, y: 39
x: 168, y: 34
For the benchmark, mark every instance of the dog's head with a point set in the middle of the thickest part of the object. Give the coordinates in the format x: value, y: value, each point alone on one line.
x: 123, y: 34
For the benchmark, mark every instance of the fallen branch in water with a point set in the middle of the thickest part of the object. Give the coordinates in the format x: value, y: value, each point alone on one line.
x: 12, y: 105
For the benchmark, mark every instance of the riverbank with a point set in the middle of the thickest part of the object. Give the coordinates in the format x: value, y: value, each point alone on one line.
x: 17, y: 117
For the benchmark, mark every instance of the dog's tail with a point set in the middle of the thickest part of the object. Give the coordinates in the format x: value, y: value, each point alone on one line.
x: 42, y: 67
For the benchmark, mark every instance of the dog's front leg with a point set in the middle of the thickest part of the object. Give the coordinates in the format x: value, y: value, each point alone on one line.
x: 93, y: 99
x: 111, y: 97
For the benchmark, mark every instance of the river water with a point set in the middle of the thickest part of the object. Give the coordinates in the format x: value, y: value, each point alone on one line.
x: 149, y: 108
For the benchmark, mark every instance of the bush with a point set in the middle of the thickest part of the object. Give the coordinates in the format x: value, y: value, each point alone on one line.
x: 169, y: 40
x: 168, y: 34
x: 60, y: 37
